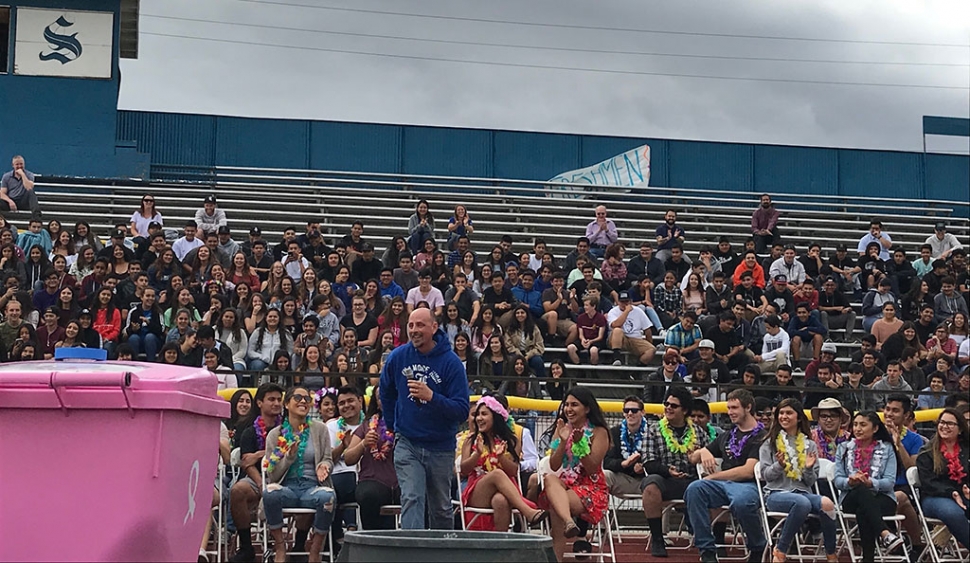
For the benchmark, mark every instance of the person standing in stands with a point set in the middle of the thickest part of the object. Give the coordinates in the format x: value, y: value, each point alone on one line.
x: 17, y: 189
x: 764, y: 224
x: 424, y: 394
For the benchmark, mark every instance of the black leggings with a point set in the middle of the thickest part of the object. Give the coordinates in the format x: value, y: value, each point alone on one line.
x: 869, y: 507
x: 371, y: 496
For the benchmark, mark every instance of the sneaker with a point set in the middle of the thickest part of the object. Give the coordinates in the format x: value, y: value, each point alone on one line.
x: 658, y: 548
x: 708, y: 557
x: 890, y: 542
x: 663, y: 333
x: 203, y: 556
x: 617, y: 362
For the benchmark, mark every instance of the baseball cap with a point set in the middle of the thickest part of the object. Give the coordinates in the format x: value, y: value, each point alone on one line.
x: 154, y: 225
x: 829, y: 347
x: 223, y: 229
x: 840, y: 247
x: 209, y: 199
x: 314, y: 234
x: 255, y: 232
x: 781, y: 278
x: 940, y: 226
x: 706, y: 344
x: 84, y: 312
x: 367, y: 247
x: 118, y: 233
x: 51, y: 309
x: 624, y: 296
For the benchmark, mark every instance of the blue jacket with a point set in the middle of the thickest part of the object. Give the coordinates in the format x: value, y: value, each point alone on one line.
x: 533, y: 299
x: 882, y: 472
x: 431, y: 425
x: 391, y: 291
x: 27, y: 239
x: 797, y: 328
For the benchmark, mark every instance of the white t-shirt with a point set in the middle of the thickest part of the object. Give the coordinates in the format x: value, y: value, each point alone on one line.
x: 433, y: 297
x: 141, y: 223
x: 964, y: 351
x: 338, y: 464
x: 636, y: 321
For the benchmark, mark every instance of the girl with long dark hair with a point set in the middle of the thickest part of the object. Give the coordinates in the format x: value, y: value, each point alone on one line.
x: 865, y: 474
x: 372, y: 446
x: 943, y: 474
x: 525, y: 338
x: 576, y: 485
x: 490, y: 457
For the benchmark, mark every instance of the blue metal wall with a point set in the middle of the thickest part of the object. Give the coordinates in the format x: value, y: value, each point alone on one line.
x: 64, y: 124
x: 326, y: 145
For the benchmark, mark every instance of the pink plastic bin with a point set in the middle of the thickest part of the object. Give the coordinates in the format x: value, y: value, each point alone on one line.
x: 106, y: 461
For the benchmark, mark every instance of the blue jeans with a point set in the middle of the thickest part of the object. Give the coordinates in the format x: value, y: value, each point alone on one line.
x: 652, y: 315
x: 947, y: 510
x: 425, y: 478
x: 257, y: 364
x: 300, y: 493
x: 538, y: 366
x: 149, y: 344
x: 742, y: 498
x: 799, y: 505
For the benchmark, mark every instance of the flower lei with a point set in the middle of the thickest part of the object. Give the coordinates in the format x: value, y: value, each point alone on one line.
x: 682, y: 447
x: 285, y: 442
x: 261, y: 430
x: 489, y: 459
x: 735, y: 446
x: 711, y: 432
x: 827, y: 445
x: 385, y: 438
x: 863, y: 457
x: 794, y: 465
x: 572, y: 457
x: 342, y: 427
x: 627, y: 446
x: 952, y: 456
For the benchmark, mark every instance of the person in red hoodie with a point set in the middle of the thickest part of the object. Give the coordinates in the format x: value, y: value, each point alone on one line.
x: 107, y: 319
x: 749, y: 263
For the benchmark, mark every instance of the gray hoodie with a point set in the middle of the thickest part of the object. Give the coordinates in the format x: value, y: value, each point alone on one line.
x: 773, y: 474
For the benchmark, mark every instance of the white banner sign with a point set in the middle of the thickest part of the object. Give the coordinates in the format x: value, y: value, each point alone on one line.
x: 64, y: 43
x: 628, y: 170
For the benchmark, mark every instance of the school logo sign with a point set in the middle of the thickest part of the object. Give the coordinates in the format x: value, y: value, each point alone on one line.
x: 63, y: 48
x: 66, y: 44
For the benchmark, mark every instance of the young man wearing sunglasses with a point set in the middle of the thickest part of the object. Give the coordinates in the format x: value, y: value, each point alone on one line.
x: 669, y: 445
x: 623, y: 463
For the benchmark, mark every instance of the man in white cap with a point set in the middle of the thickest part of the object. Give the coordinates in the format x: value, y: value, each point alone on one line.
x: 826, y: 356
x: 630, y: 330
x: 719, y: 370
x: 210, y: 218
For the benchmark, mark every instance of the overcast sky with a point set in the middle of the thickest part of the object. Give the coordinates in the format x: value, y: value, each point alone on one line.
x: 236, y: 71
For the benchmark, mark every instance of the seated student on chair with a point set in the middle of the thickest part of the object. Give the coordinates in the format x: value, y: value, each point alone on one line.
x: 669, y: 444
x: 789, y: 468
x: 344, y: 475
x: 490, y: 457
x: 943, y: 469
x: 623, y: 463
x: 372, y: 446
x: 581, y: 439
x: 298, y: 465
x: 865, y: 472
x: 896, y: 413
x: 732, y: 485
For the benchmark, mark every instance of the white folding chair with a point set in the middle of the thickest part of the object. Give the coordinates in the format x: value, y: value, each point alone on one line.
x: 602, y: 540
x: 724, y: 514
x: 951, y: 552
x: 478, y: 512
x: 850, y: 528
x: 774, y: 522
x: 621, y: 503
x: 289, y: 529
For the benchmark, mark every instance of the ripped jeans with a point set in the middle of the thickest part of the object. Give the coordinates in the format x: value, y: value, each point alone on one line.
x: 299, y: 493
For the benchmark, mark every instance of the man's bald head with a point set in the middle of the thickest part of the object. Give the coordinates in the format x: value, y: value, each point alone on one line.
x: 421, y: 329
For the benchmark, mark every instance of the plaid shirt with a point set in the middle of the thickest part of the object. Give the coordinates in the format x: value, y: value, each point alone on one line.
x: 659, y: 454
x: 668, y: 301
x: 679, y: 337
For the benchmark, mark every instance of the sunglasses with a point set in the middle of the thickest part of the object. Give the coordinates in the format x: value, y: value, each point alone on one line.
x: 669, y: 405
x: 631, y: 411
x: 671, y: 362
x: 300, y: 398
x: 148, y: 200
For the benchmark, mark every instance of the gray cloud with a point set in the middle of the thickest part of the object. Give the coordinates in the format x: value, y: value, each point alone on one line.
x: 232, y: 79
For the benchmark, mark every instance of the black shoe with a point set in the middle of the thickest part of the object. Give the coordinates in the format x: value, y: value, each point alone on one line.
x: 756, y: 556
x: 708, y: 557
x: 582, y: 546
x: 658, y: 548
x: 243, y: 556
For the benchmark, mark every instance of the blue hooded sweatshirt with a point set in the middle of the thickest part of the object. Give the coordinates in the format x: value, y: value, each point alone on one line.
x: 432, y: 425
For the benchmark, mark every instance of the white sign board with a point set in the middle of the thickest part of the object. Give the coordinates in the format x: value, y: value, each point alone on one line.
x: 627, y: 170
x: 63, y: 43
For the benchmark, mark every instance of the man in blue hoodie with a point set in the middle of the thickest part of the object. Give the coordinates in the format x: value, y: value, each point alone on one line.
x: 424, y: 394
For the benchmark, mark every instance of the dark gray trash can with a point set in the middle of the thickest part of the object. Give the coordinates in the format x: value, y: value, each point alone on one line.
x: 444, y: 546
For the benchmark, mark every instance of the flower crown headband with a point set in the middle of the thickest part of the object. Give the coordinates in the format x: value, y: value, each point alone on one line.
x: 321, y: 393
x: 495, y: 406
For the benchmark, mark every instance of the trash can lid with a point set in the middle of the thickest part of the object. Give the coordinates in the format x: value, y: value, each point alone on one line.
x: 85, y: 384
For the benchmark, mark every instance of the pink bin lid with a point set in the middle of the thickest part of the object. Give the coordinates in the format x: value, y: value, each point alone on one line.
x: 83, y: 384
